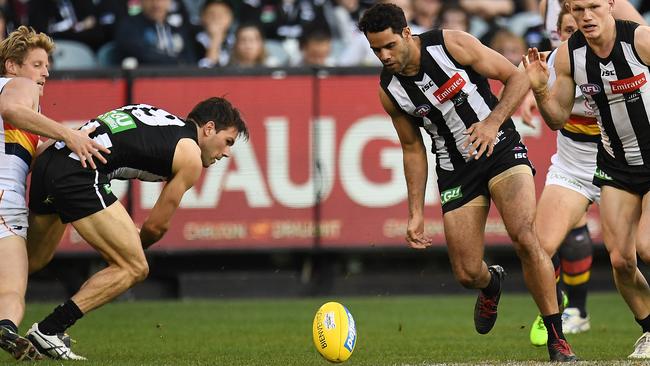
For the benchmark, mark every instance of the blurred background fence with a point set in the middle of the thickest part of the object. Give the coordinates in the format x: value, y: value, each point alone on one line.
x: 314, y: 203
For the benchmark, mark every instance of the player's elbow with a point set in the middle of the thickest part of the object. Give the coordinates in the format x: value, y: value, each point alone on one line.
x: 154, y: 232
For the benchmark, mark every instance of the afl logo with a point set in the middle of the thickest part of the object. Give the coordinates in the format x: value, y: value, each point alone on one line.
x: 590, y: 89
x: 422, y: 110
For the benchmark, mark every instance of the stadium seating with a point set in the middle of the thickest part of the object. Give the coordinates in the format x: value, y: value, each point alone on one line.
x: 72, y: 55
x: 108, y: 55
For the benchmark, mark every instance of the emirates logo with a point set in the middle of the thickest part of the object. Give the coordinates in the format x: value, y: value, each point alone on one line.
x: 447, y: 90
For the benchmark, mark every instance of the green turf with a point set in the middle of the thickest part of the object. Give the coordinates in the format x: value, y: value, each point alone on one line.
x: 392, y: 331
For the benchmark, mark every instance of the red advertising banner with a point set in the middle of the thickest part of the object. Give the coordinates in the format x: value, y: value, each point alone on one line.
x: 73, y: 102
x: 323, y: 167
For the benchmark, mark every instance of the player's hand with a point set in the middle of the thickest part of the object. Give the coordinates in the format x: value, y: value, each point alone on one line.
x: 482, y: 138
x: 536, y: 69
x: 526, y: 109
x: 86, y: 148
x: 415, y: 234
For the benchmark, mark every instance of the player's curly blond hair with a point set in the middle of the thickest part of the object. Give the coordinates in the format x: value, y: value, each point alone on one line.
x: 21, y: 41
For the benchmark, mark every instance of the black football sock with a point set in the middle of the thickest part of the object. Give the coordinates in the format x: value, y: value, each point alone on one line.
x: 62, y: 318
x: 494, y: 286
x: 553, y: 325
x: 9, y: 324
x: 644, y: 323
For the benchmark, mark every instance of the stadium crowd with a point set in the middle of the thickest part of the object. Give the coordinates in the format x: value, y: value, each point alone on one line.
x: 218, y: 33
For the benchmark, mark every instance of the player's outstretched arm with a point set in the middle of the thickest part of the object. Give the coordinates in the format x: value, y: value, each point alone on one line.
x: 186, y: 170
x: 468, y: 51
x: 415, y: 170
x: 19, y: 105
x: 555, y: 105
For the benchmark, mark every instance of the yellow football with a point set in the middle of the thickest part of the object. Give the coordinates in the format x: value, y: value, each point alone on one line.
x: 334, y: 332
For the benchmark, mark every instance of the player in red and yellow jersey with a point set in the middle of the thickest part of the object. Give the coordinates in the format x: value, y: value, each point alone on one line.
x: 24, y: 68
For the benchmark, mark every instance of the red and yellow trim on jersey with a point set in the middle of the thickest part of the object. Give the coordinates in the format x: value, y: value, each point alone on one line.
x: 20, y: 143
x: 583, y: 129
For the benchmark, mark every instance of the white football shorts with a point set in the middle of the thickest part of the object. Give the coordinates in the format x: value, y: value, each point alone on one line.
x: 573, y: 167
x: 13, y: 214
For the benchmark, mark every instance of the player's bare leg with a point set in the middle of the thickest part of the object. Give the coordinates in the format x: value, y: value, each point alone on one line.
x: 514, y: 197
x: 622, y: 214
x: 43, y: 237
x: 643, y: 231
x: 114, y: 235
x: 13, y: 273
x: 464, y: 230
x: 13, y: 285
x: 513, y: 193
x: 558, y: 211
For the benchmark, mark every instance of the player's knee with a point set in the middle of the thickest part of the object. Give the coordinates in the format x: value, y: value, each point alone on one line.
x: 523, y: 238
x: 38, y: 262
x: 622, y: 265
x: 138, y: 270
x: 643, y: 249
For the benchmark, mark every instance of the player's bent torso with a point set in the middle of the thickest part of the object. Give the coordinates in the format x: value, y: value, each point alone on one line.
x: 445, y: 98
x: 142, y: 140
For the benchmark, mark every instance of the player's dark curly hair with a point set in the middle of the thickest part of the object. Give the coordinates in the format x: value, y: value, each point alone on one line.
x: 221, y: 112
x: 382, y: 16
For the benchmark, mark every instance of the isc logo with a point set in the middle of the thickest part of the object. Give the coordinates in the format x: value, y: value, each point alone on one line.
x: 608, y: 73
x: 521, y: 155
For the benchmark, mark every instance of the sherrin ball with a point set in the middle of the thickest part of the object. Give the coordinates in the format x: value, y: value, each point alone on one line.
x: 334, y: 332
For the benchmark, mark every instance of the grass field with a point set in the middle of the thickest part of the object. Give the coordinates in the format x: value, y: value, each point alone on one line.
x: 392, y: 331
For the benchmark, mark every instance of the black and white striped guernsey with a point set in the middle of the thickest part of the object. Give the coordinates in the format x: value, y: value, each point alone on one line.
x: 616, y: 88
x: 445, y: 98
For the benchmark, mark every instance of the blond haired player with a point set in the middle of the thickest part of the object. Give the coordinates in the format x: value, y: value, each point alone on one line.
x: 24, y: 68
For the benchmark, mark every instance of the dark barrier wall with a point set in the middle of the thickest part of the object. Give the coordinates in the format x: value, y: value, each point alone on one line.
x: 322, y: 169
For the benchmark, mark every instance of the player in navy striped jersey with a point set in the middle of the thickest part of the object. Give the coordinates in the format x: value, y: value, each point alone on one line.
x: 608, y: 60
x: 437, y: 81
x: 147, y: 143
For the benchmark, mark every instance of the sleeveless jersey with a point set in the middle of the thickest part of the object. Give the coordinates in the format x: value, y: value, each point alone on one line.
x: 17, y: 149
x: 582, y: 125
x: 616, y: 89
x: 553, y: 8
x: 445, y: 98
x: 142, y: 140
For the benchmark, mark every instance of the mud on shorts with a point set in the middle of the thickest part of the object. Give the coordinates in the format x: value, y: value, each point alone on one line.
x: 60, y: 185
x: 613, y: 173
x: 470, y: 183
x: 13, y: 214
